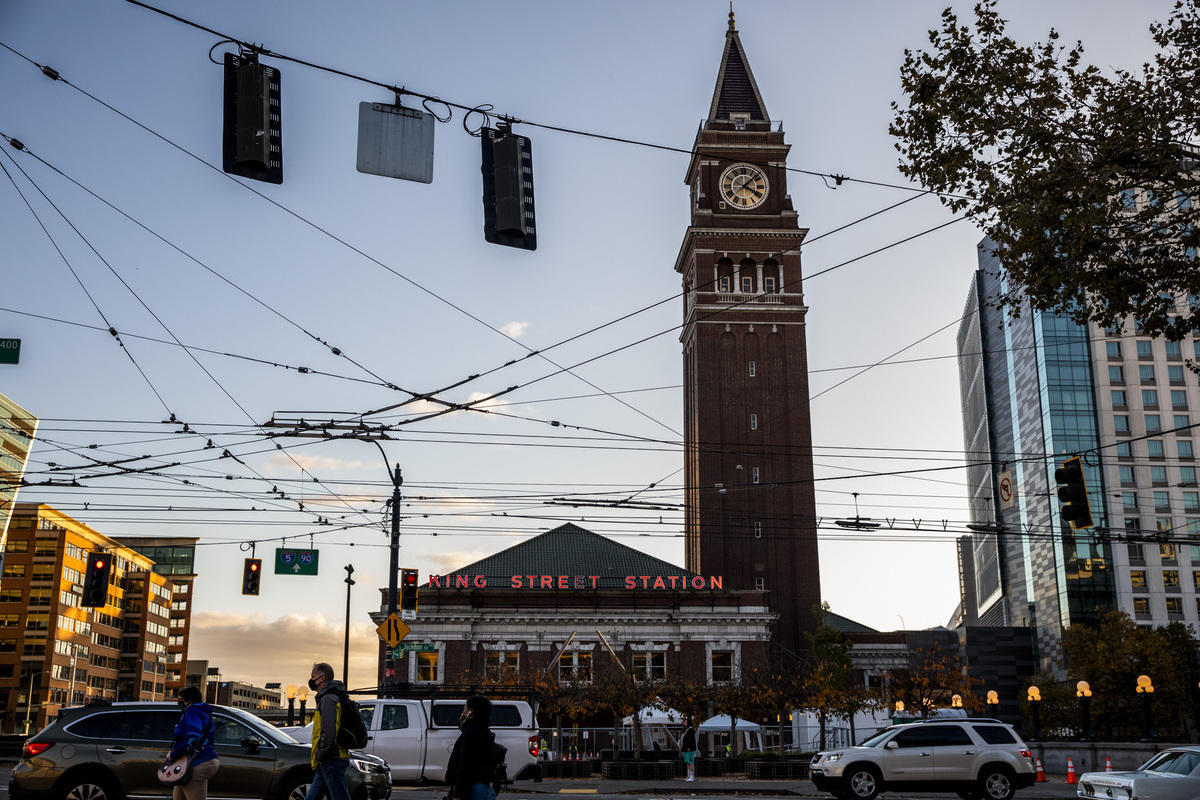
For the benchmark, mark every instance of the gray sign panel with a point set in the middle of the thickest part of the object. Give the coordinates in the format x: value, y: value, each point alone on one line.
x: 395, y: 142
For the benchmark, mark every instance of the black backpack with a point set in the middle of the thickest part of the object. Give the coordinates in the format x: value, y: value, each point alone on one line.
x: 499, y: 756
x: 352, y: 732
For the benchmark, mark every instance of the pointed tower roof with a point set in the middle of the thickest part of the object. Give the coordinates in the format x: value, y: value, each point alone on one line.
x: 736, y: 90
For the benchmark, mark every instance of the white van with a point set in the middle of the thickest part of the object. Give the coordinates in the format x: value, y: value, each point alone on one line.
x: 415, y: 737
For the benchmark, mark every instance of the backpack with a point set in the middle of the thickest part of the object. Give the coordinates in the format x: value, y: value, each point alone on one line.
x: 499, y: 769
x: 352, y: 732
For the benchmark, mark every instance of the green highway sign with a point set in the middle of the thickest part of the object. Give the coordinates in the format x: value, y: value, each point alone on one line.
x: 295, y: 562
x: 412, y: 647
x: 10, y: 351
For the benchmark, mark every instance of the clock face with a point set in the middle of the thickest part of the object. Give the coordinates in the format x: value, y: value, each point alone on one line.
x: 744, y: 186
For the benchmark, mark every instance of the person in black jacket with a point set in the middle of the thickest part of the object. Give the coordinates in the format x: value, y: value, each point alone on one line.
x: 687, y: 746
x: 472, y: 767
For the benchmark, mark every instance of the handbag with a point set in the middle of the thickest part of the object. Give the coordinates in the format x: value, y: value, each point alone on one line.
x: 178, y: 772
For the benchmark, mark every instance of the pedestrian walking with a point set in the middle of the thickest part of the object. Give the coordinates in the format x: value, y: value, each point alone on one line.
x: 687, y: 746
x: 194, y: 736
x: 472, y: 766
x: 329, y: 759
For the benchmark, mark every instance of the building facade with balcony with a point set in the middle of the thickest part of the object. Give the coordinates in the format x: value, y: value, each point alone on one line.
x: 1036, y: 389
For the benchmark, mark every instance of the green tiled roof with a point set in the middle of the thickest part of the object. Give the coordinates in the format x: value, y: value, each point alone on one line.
x: 570, y: 550
x: 845, y: 624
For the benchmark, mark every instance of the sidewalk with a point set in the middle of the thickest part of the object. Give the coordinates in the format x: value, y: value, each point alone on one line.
x: 1056, y: 788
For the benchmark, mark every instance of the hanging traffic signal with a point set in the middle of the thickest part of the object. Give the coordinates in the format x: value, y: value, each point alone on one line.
x: 408, y: 593
x: 252, y: 141
x: 251, y: 575
x: 508, y: 216
x: 1072, y: 493
x: 95, y: 580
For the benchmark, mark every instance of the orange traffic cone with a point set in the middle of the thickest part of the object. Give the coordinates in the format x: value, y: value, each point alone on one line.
x: 1108, y: 764
x: 1071, y: 771
x: 1041, y: 773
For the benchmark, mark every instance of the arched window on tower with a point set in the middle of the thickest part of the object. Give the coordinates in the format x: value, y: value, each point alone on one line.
x: 748, y: 271
x: 724, y: 276
x: 771, y: 277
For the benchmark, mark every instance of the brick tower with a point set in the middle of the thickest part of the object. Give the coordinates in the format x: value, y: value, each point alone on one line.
x: 750, y: 507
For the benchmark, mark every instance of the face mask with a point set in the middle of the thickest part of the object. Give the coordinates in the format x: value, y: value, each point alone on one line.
x: 312, y: 685
x: 182, y: 705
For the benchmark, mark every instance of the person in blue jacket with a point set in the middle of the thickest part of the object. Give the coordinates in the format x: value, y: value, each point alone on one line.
x: 194, y: 735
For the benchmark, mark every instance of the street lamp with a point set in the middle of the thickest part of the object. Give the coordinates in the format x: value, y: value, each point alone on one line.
x: 1034, y: 696
x: 302, y: 696
x: 993, y: 702
x: 1084, y: 692
x: 1145, y: 687
x: 956, y: 701
x: 291, y: 698
x: 29, y: 699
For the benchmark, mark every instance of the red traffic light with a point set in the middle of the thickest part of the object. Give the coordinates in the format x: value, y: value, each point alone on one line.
x: 253, y: 566
x: 98, y: 564
x: 410, y: 578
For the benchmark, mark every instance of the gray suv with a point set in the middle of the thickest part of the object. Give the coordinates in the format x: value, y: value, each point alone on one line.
x: 106, y: 751
x: 979, y: 759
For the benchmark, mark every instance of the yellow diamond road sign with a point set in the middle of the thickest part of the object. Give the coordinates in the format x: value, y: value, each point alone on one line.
x: 393, y: 630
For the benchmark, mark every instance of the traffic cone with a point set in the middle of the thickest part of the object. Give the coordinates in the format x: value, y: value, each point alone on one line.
x: 1108, y: 764
x: 1041, y: 773
x: 1071, y: 771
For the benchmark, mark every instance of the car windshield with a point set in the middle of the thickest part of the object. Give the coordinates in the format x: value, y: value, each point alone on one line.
x: 873, y: 741
x: 1173, y: 763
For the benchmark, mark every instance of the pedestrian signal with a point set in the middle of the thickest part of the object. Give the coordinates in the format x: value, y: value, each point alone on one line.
x: 251, y: 575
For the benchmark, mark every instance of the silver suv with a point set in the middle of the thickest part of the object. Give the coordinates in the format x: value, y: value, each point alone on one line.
x: 980, y: 759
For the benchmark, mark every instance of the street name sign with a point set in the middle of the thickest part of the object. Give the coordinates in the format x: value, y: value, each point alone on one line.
x: 10, y: 351
x: 295, y: 562
x: 413, y: 647
x: 393, y: 630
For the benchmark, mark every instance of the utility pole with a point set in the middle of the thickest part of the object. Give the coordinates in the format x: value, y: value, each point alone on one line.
x: 346, y: 646
x: 393, y: 594
x: 29, y: 699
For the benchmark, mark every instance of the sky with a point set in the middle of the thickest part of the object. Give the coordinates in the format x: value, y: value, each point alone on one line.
x: 397, y: 277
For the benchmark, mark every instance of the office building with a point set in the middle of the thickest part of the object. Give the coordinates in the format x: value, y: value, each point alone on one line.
x: 174, y: 558
x: 17, y: 430
x: 1036, y: 389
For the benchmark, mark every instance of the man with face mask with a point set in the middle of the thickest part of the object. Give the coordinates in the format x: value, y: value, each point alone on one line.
x: 472, y: 767
x: 329, y: 759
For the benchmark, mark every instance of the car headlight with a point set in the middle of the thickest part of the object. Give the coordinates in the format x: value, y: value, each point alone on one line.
x: 832, y: 757
x: 367, y: 767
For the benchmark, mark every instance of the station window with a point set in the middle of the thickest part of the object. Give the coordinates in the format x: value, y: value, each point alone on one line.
x: 758, y: 530
x: 754, y: 475
x: 575, y: 667
x: 760, y: 584
x: 722, y: 666
x: 649, y: 666
x: 753, y: 372
x: 427, y: 667
x: 754, y: 422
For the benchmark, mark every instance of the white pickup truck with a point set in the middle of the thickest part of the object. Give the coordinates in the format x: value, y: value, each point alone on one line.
x: 415, y: 737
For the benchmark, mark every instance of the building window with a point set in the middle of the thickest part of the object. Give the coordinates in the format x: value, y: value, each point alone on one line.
x: 723, y: 284
x: 769, y: 285
x: 501, y: 664
x: 1175, y: 607
x: 747, y: 284
x: 1162, y: 501
x: 754, y: 422
x: 758, y: 530
x: 1124, y: 450
x: 1136, y: 555
x: 650, y: 666
x: 575, y: 667
x: 1144, y: 350
x: 1137, y: 580
x: 1121, y: 423
x: 1129, y: 501
x: 1116, y: 374
x: 16, y: 546
x: 1173, y: 350
x: 1150, y: 398
x: 1175, y: 373
x: 14, y: 571
x: 1154, y: 448
x: 721, y: 663
x: 1182, y: 421
x: 1166, y: 554
x: 754, y: 475
x: 1171, y: 580
x: 1126, y: 474
x: 1184, y: 449
x: 1178, y: 399
x: 427, y: 667
x: 753, y: 371
x: 1158, y: 475
x: 1191, y: 502
x: 1187, y: 476
x: 1113, y: 349
x: 1153, y: 423
x: 1119, y: 399
x: 760, y: 584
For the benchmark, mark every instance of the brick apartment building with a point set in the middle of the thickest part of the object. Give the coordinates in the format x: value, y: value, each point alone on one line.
x: 174, y: 558
x: 53, y: 652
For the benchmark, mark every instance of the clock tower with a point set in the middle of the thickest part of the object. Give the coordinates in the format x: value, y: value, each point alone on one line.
x: 750, y: 505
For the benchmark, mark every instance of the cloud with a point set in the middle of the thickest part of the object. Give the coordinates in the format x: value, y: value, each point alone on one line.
x: 515, y: 329
x: 441, y: 563
x: 318, y: 464
x: 252, y: 648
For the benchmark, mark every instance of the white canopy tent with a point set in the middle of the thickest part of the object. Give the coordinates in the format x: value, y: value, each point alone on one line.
x: 748, y: 732
x: 651, y: 715
x: 657, y: 723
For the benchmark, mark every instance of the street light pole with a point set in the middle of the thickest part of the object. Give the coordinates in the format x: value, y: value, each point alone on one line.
x: 397, y: 481
x: 346, y: 646
x: 29, y: 699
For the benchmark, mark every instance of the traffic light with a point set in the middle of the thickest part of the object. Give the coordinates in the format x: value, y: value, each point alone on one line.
x: 252, y: 140
x: 408, y: 593
x: 1072, y: 493
x: 95, y: 581
x: 251, y: 575
x: 508, y: 216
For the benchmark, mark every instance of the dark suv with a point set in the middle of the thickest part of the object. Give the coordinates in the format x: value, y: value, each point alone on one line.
x: 107, y: 751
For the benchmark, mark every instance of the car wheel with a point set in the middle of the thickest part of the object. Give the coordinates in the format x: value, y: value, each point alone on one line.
x: 862, y: 782
x: 996, y: 783
x: 88, y: 787
x: 295, y: 789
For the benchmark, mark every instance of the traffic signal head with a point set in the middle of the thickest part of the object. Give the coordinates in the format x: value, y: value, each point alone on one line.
x: 95, y: 580
x: 508, y: 212
x: 408, y: 590
x: 251, y: 575
x: 252, y: 141
x: 1072, y: 493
